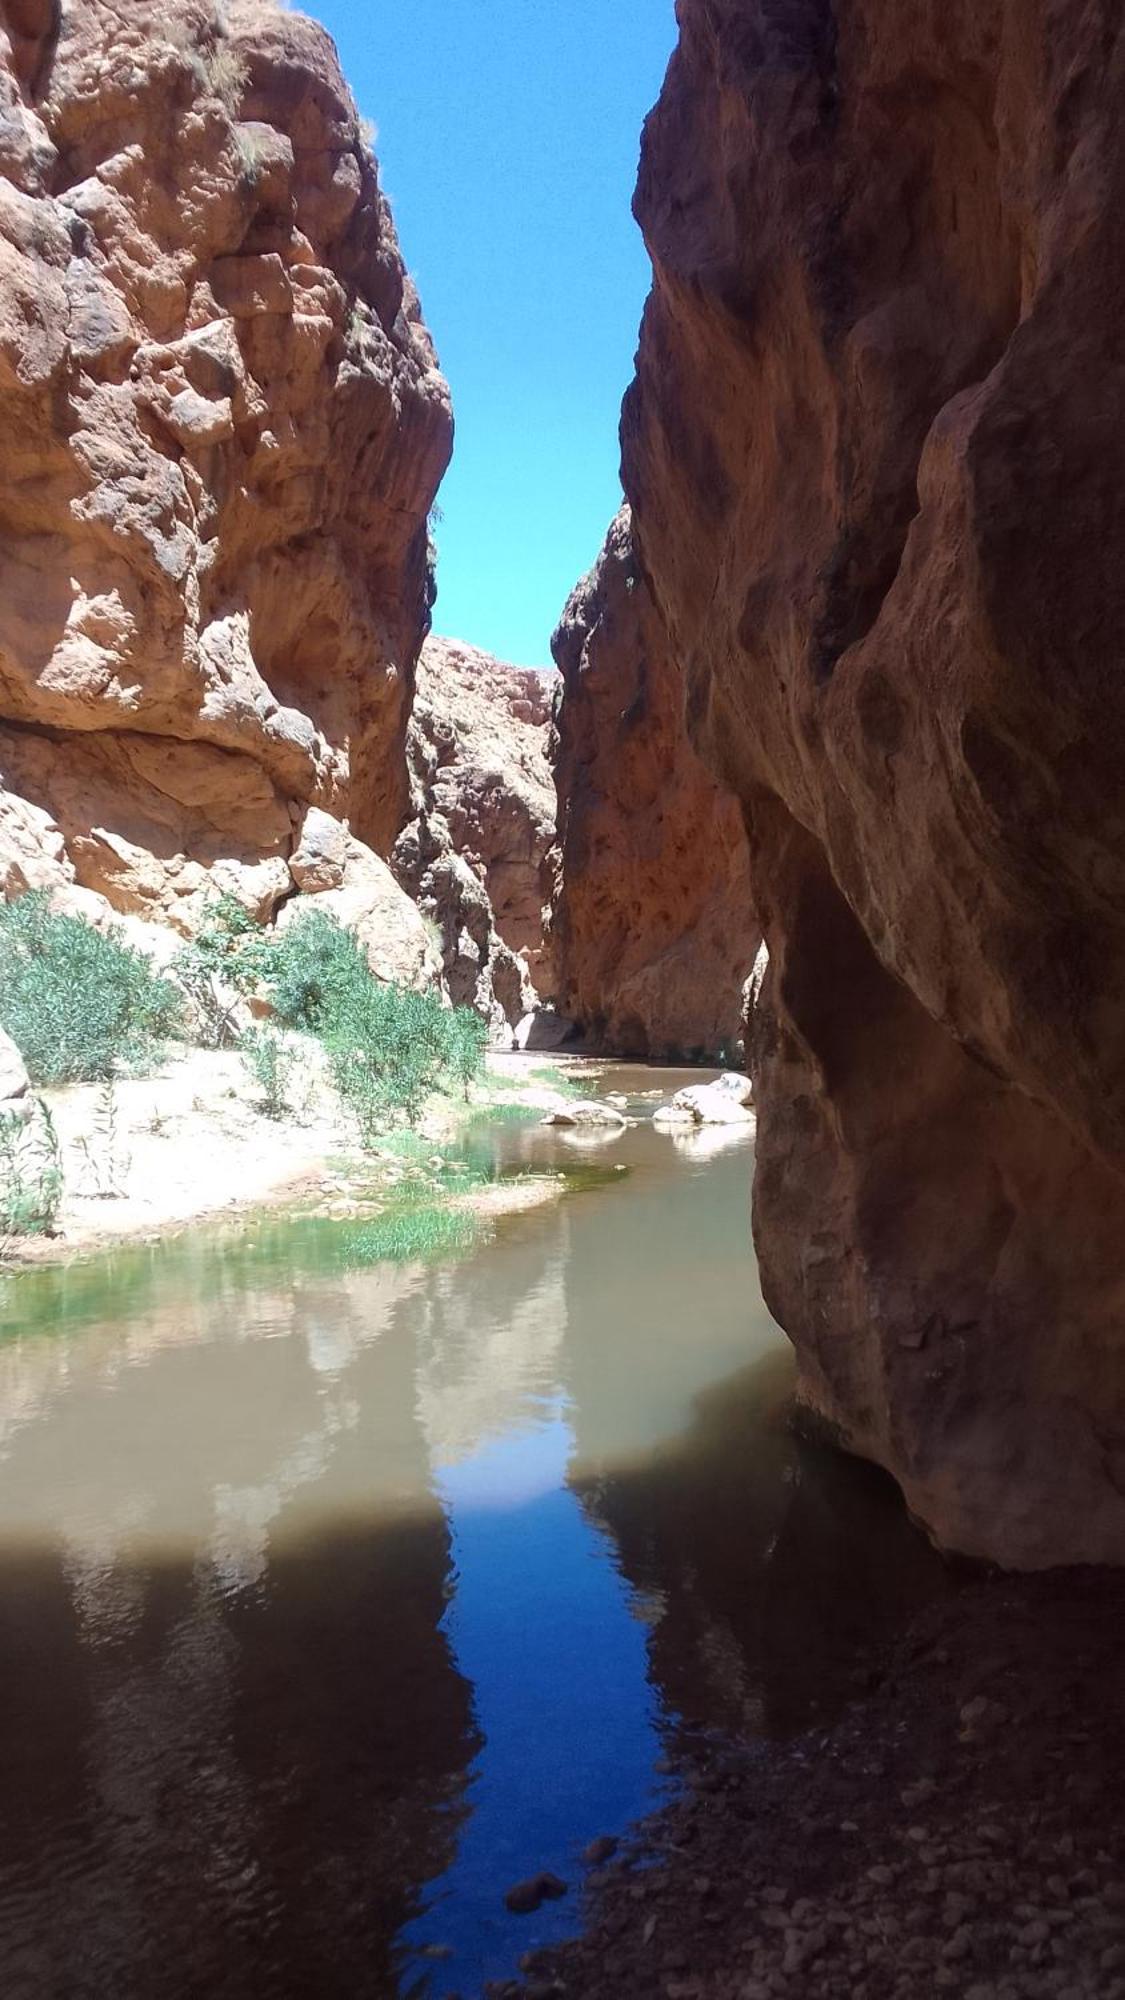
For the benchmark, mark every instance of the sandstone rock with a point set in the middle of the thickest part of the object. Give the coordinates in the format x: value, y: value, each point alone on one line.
x: 653, y: 929
x: 474, y: 853
x: 874, y: 458
x: 543, y: 1030
x: 224, y: 427
x: 714, y: 1104
x: 586, y: 1112
x: 369, y: 901
x: 321, y: 855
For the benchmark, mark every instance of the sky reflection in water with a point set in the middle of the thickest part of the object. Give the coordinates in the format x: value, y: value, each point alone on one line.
x: 333, y: 1603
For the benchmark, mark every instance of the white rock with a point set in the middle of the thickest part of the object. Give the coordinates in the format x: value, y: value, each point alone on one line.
x: 674, y: 1118
x: 586, y: 1112
x: 732, y: 1084
x: 542, y: 1030
x: 713, y: 1104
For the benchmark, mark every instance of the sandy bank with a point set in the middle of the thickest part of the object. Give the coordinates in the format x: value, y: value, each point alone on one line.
x: 192, y: 1144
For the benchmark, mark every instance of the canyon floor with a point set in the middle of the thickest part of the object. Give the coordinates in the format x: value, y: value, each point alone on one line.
x: 957, y: 1832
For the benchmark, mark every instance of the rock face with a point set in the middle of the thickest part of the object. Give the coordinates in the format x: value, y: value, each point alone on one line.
x: 474, y: 853
x: 654, y: 931
x: 224, y: 427
x: 875, y: 458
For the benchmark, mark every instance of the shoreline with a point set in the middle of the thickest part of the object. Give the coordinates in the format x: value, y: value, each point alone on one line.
x: 954, y: 1830
x: 187, y: 1147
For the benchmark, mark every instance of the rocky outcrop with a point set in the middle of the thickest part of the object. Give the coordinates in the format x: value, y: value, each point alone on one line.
x: 874, y: 453
x: 224, y: 427
x: 474, y: 854
x: 653, y: 930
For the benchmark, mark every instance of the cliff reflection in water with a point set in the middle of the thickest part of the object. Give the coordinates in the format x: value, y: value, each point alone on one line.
x: 331, y: 1603
x: 233, y: 1737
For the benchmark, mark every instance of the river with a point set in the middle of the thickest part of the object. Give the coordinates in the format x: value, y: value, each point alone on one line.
x: 333, y: 1602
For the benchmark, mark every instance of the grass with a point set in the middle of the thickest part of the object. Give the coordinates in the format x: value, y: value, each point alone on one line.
x: 408, y: 1235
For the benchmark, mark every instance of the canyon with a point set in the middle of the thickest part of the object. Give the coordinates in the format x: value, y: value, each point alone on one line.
x: 842, y: 677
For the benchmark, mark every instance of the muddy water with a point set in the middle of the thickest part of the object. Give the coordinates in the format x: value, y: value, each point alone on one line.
x: 333, y: 1602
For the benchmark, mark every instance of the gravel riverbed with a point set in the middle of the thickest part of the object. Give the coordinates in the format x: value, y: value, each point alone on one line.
x: 957, y: 1831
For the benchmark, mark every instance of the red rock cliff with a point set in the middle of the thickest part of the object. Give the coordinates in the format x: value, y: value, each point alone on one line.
x: 474, y: 854
x: 876, y: 456
x: 654, y: 932
x: 223, y: 429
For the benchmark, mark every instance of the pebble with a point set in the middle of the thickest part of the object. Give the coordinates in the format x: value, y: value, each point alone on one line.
x: 601, y: 1850
x: 525, y: 1897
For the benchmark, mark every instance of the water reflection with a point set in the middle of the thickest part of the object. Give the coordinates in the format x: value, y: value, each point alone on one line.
x: 331, y: 1603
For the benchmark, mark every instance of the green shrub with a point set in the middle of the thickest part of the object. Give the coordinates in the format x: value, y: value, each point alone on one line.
x: 389, y: 1048
x: 78, y: 1003
x: 105, y: 1164
x: 313, y: 972
x: 468, y: 1045
x: 272, y: 1064
x: 31, y: 1181
x: 229, y: 955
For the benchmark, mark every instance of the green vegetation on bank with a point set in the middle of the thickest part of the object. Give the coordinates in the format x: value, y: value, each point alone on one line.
x: 84, y: 1006
x: 389, y: 1047
x: 31, y: 1181
x: 79, y: 1005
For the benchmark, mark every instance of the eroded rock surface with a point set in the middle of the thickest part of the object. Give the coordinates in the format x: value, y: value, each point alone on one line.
x: 474, y: 853
x: 654, y: 931
x: 224, y: 427
x: 874, y: 453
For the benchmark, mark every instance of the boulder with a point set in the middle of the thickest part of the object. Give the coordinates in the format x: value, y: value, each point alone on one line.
x: 542, y: 1030
x: 724, y: 1102
x: 587, y: 1114
x: 400, y: 947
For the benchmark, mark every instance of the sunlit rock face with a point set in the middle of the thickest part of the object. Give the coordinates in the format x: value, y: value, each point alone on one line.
x: 874, y: 453
x: 475, y: 851
x: 653, y: 931
x: 224, y: 427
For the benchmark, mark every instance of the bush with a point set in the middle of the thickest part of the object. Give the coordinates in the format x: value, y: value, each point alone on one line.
x: 389, y: 1048
x: 314, y: 971
x: 272, y: 1064
x: 229, y: 954
x: 78, y: 1003
x: 468, y: 1044
x: 31, y: 1181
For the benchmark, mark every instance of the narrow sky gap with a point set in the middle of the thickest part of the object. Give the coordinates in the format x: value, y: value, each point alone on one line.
x: 508, y: 139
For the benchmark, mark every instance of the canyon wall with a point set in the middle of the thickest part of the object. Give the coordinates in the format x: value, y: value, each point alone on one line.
x: 653, y: 930
x: 874, y: 454
x: 474, y: 854
x: 224, y: 427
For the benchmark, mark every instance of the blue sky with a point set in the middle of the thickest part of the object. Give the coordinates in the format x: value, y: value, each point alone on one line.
x: 508, y: 141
